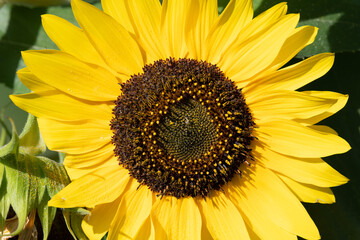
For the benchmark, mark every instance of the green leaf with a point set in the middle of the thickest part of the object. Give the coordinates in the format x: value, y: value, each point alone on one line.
x: 338, y: 23
x: 29, y: 181
x: 19, y: 33
x: 46, y: 215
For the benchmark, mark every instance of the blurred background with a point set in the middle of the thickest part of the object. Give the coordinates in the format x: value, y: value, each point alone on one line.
x: 339, y: 32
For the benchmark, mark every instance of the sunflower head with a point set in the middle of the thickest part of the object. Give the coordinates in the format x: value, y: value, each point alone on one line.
x: 180, y: 123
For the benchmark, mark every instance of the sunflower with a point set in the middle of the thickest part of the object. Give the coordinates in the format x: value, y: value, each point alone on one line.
x: 179, y: 123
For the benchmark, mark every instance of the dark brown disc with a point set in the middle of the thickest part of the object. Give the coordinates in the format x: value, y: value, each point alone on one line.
x: 181, y: 127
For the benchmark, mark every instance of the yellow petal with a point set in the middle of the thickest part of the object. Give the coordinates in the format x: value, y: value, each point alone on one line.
x: 97, y: 223
x: 247, y: 58
x: 294, y: 76
x: 132, y: 212
x: 70, y: 39
x: 99, y: 155
x: 200, y: 17
x: 323, y: 128
x: 341, y: 101
x: 205, y: 234
x: 236, y: 15
x: 146, y: 24
x: 288, y: 105
x: 261, y: 23
x: 309, y: 193
x: 177, y: 219
x: 300, y: 38
x: 75, y: 173
x: 146, y: 231
x: 161, y: 216
x: 186, y: 222
x: 66, y: 73
x: 119, y: 11
x: 173, y: 20
x: 306, y: 170
x: 254, y: 218
x: 75, y: 137
x: 266, y: 194
x: 294, y: 139
x: 101, y: 186
x: 31, y: 81
x: 264, y: 20
x: 222, y: 218
x: 119, y: 50
x: 59, y: 106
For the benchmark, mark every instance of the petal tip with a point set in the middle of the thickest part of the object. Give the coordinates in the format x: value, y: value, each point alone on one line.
x: 57, y: 202
x: 28, y: 53
x: 12, y: 97
x: 45, y: 16
x: 23, y: 71
x: 284, y: 7
x: 77, y: 3
x: 347, y: 146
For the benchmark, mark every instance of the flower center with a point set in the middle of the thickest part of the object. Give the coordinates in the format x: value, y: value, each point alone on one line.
x: 186, y: 131
x: 182, y: 128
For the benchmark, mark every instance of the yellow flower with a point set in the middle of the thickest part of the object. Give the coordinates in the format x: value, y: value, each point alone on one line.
x: 178, y: 123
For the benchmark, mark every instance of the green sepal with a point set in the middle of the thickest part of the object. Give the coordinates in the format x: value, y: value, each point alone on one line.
x: 61, y: 157
x: 73, y: 218
x: 31, y: 141
x: 4, y: 132
x: 4, y: 199
x: 29, y: 181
